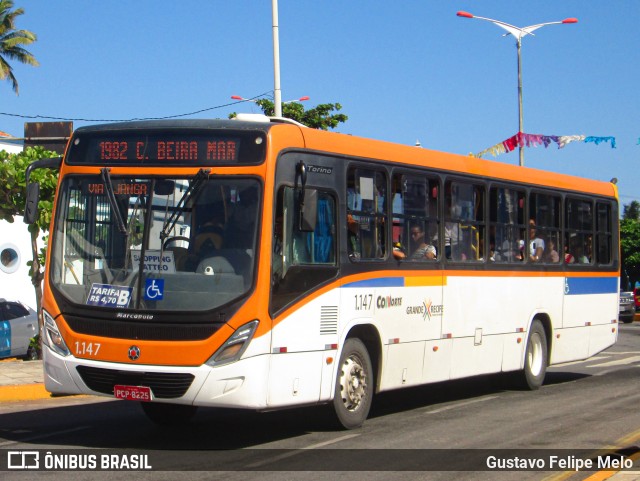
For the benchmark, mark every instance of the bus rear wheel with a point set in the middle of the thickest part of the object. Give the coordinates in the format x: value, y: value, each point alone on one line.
x: 168, y: 414
x: 354, y: 385
x: 536, y: 358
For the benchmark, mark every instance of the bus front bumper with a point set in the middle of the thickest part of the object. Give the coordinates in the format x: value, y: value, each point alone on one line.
x: 241, y: 384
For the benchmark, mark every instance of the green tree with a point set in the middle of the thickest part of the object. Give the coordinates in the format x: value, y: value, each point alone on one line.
x: 13, y: 200
x: 630, y: 241
x: 11, y: 42
x: 319, y: 117
x: 632, y: 211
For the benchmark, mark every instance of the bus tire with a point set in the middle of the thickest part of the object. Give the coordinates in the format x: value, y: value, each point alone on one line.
x: 535, y: 357
x: 354, y: 385
x: 168, y: 414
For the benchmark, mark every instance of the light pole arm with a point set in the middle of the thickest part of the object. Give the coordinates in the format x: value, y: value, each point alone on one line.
x: 518, y: 33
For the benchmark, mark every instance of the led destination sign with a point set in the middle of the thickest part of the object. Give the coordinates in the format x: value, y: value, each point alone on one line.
x: 167, y: 148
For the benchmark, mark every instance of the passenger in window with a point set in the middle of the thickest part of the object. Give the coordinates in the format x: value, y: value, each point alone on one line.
x: 552, y: 254
x: 353, y: 230
x: 568, y: 257
x: 580, y: 256
x: 451, y: 237
x: 536, y: 244
x: 422, y: 249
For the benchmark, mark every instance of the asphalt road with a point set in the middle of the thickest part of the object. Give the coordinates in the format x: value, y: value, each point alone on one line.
x: 592, y: 405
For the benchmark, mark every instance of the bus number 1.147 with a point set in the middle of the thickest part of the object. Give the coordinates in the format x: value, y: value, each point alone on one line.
x: 364, y: 302
x: 87, y: 348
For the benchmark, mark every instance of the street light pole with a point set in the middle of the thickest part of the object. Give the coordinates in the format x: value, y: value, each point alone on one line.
x: 277, y: 93
x: 520, y: 109
x: 518, y: 33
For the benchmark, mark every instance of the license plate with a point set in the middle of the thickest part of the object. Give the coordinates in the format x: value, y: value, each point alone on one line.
x: 132, y: 393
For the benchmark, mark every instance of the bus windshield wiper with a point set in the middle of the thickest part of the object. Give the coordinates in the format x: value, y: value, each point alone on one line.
x: 192, y: 190
x: 106, y: 178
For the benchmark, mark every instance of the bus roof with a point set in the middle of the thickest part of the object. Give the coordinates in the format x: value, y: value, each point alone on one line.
x: 454, y: 163
x: 359, y: 147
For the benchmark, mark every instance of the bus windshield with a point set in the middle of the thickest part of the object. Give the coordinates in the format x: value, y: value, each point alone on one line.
x: 193, y: 239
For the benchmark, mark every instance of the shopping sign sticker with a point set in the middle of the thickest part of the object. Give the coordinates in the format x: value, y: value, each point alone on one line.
x: 106, y: 295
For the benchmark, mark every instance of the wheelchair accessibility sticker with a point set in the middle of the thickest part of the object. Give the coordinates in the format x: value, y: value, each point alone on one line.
x: 154, y: 290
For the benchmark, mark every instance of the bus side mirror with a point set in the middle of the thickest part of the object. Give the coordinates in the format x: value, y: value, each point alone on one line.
x: 33, y: 188
x: 31, y: 204
x: 308, y: 211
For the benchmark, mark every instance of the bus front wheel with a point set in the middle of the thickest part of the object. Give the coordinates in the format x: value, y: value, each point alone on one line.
x: 536, y: 357
x: 354, y: 385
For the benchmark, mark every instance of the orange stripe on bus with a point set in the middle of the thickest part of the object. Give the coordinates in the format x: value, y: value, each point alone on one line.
x: 416, y: 281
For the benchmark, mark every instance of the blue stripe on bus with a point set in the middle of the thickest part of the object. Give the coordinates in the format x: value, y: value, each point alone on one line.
x: 575, y: 286
x: 381, y: 282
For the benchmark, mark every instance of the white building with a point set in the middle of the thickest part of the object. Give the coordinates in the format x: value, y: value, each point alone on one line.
x: 15, y: 248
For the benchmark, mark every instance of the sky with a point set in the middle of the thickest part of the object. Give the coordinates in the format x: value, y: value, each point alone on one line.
x: 403, y: 71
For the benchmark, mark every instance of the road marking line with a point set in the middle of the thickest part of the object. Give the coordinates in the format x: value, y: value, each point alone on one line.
x: 578, y: 362
x: 595, y: 358
x: 43, y: 436
x: 619, y: 362
x: 609, y: 371
x: 332, y: 441
x: 461, y: 404
x: 299, y: 450
x: 605, y: 474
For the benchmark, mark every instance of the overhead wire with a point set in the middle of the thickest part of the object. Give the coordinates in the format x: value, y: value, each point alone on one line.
x: 175, y: 116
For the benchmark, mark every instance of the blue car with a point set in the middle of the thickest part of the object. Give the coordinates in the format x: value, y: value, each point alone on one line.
x: 18, y: 324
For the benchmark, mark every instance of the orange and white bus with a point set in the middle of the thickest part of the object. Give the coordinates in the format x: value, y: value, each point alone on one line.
x: 262, y: 265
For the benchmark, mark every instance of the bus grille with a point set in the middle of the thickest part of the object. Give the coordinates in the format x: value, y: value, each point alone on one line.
x: 142, y: 330
x: 163, y: 385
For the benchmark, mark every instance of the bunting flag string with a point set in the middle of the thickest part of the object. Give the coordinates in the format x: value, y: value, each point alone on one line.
x: 534, y: 140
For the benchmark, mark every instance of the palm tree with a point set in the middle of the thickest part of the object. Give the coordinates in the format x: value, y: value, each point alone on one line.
x: 11, y: 41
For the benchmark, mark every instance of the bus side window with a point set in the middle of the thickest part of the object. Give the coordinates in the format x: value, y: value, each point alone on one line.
x: 579, y: 232
x: 293, y: 247
x: 545, y: 211
x: 415, y: 222
x: 506, y: 224
x: 464, y: 222
x: 604, y: 233
x: 366, y: 214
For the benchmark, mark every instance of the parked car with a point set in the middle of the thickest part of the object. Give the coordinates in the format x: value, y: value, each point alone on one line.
x: 627, y: 307
x: 18, y: 325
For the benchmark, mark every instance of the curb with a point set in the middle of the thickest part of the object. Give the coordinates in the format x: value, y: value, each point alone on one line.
x: 30, y: 392
x: 23, y: 392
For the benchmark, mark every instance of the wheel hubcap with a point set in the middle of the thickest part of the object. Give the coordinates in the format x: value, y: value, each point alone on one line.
x: 353, y: 383
x: 535, y: 354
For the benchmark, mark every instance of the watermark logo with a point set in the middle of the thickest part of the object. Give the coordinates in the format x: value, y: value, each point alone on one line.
x: 23, y: 460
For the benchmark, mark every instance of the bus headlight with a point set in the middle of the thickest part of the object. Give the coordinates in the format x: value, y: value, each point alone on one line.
x: 235, y: 346
x: 52, y: 336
